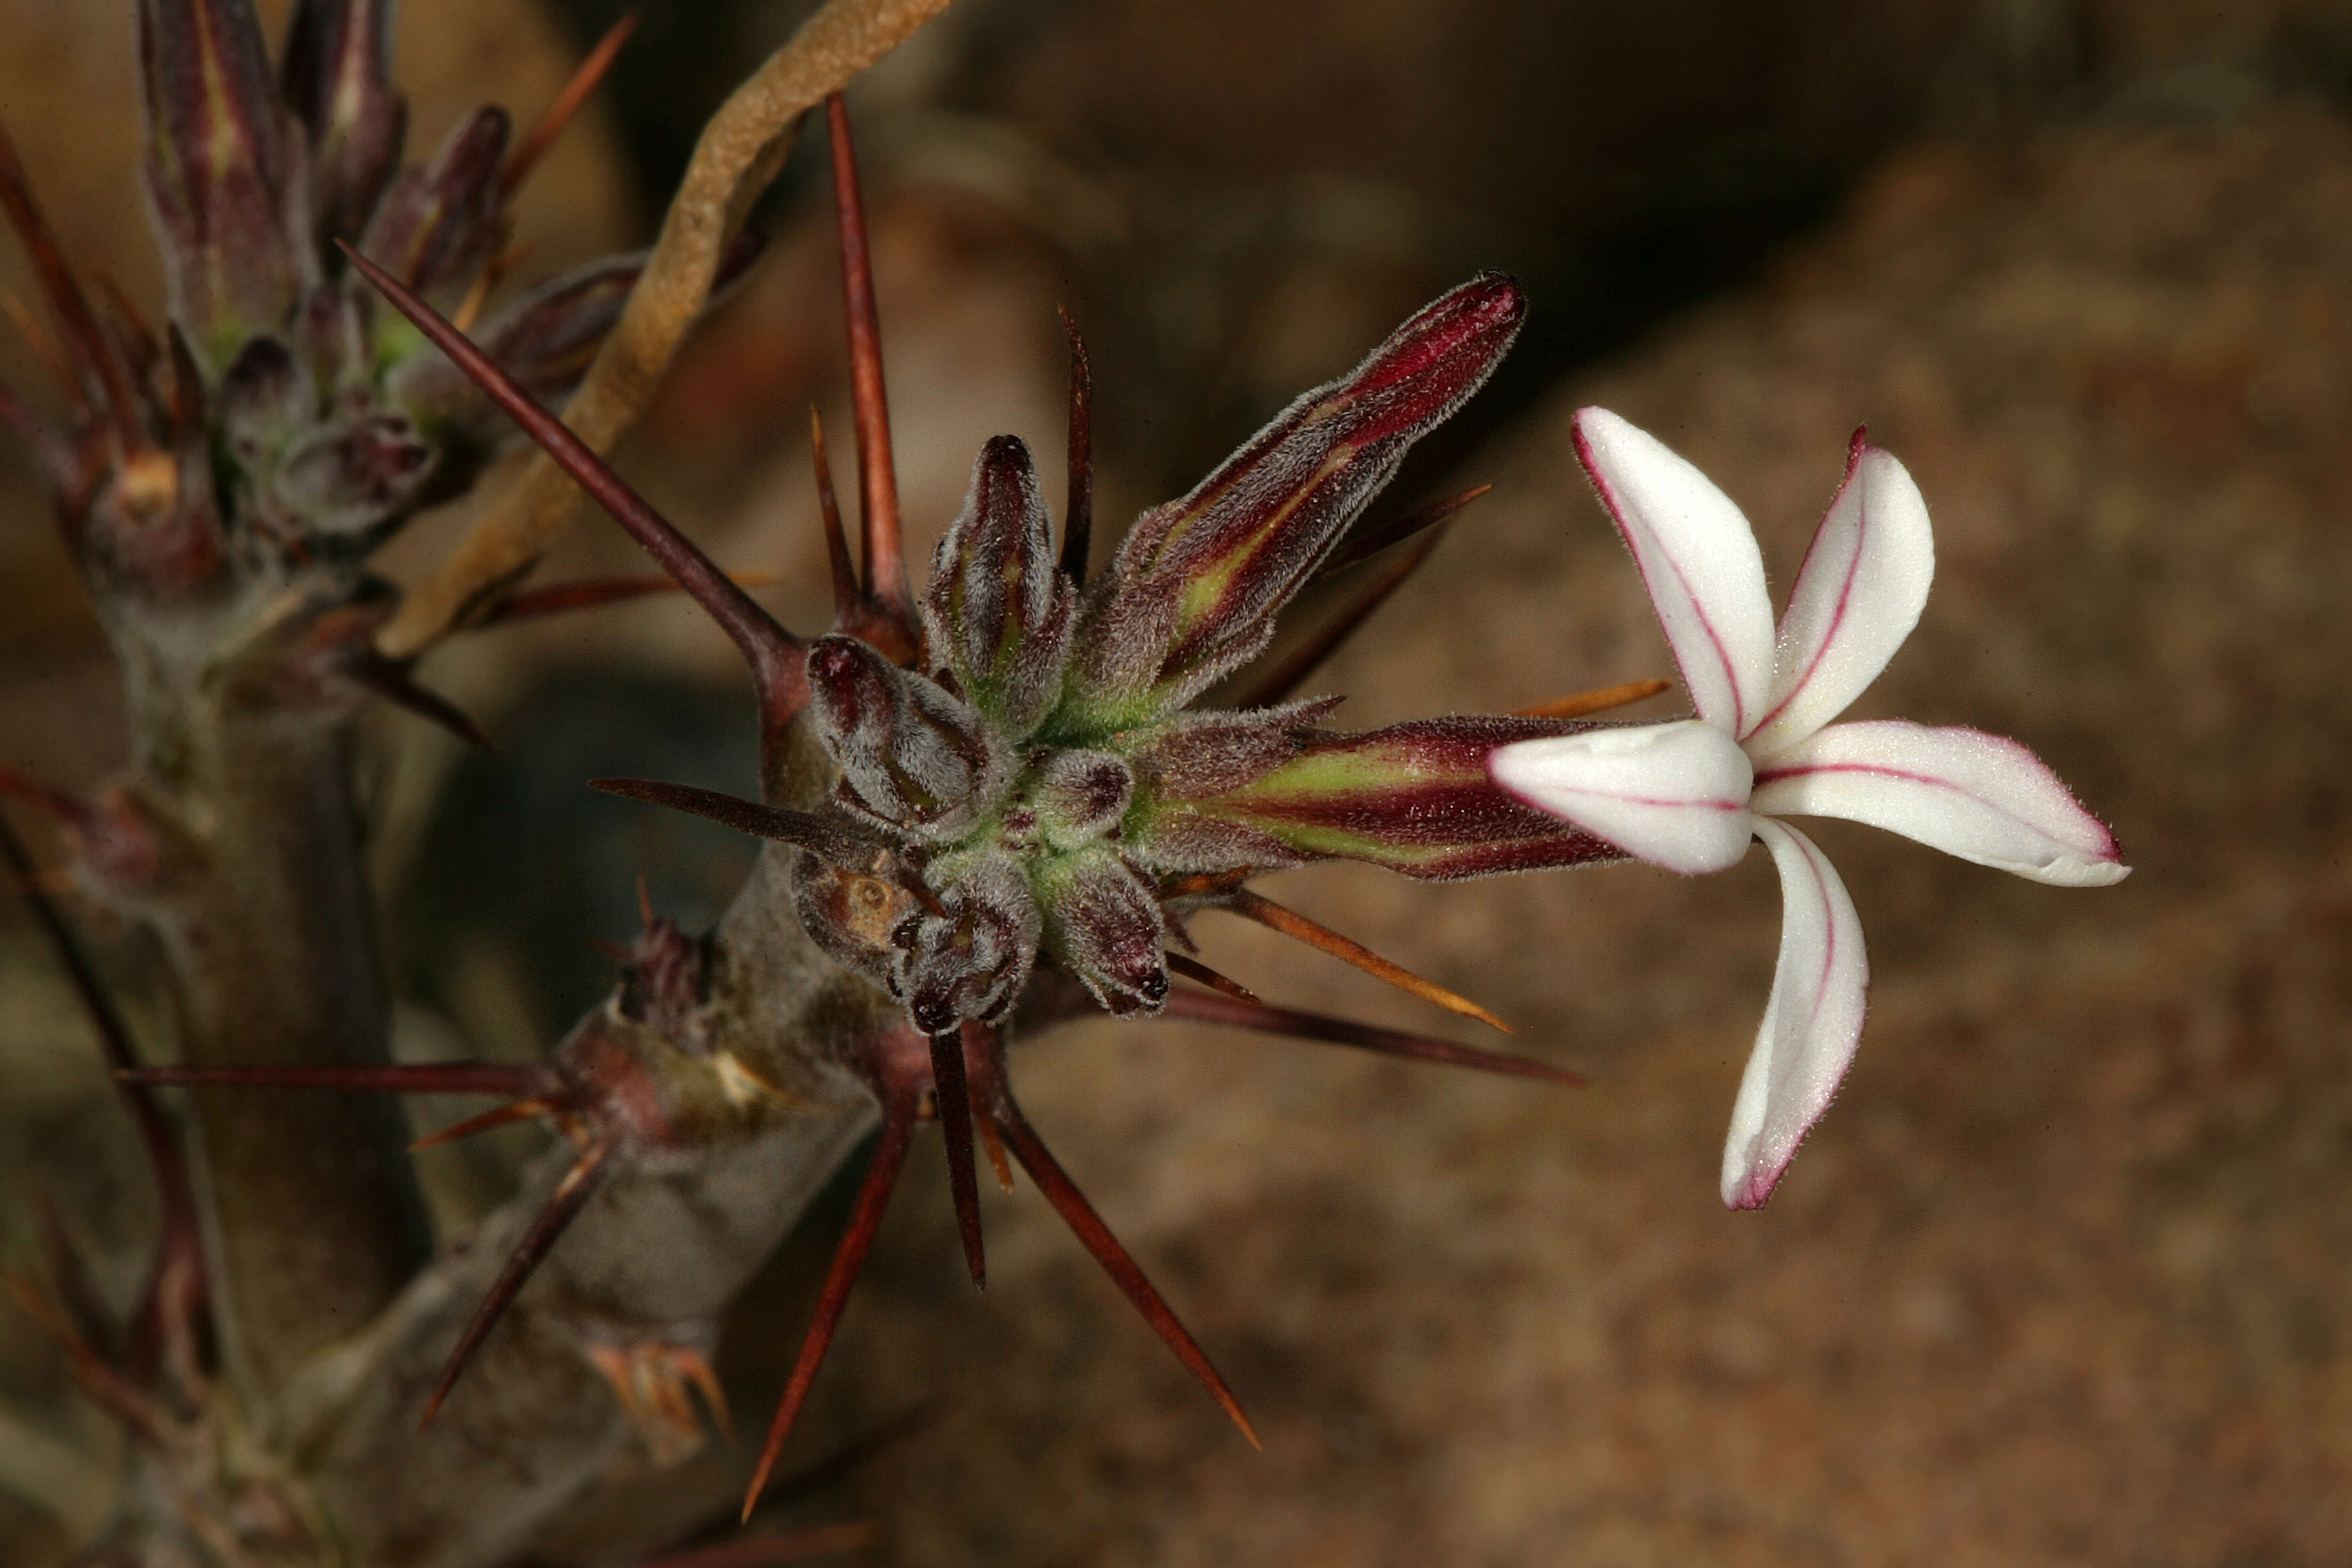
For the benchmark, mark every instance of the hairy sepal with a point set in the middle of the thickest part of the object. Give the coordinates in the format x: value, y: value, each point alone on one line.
x: 1197, y: 582
x: 971, y: 959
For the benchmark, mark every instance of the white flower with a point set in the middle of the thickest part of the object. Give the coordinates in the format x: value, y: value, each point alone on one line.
x: 1689, y: 794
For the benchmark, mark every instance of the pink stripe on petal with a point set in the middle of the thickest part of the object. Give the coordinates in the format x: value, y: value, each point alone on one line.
x: 1859, y: 593
x: 1698, y: 559
x: 1812, y: 1024
x: 1675, y: 794
x: 1981, y: 797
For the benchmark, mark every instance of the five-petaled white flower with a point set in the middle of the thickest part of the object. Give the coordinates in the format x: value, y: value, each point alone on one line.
x: 1689, y: 794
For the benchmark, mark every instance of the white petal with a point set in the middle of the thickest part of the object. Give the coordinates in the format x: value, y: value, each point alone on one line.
x: 1979, y: 796
x: 1860, y: 593
x: 1675, y: 794
x: 1812, y: 1024
x: 1698, y: 557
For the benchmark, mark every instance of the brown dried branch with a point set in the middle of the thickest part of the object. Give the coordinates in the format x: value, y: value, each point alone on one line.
x: 739, y: 152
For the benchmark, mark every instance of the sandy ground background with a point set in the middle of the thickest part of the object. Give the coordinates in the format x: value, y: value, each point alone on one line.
x: 2060, y: 1277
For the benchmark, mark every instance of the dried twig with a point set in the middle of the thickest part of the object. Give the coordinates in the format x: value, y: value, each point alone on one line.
x: 739, y: 152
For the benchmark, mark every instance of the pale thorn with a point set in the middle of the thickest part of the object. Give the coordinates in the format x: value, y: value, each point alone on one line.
x: 1675, y: 794
x: 1980, y: 798
x: 1812, y: 1024
x: 1698, y: 558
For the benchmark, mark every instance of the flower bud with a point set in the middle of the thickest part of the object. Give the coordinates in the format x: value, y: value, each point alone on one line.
x: 1103, y: 924
x: 1197, y: 582
x: 998, y: 611
x: 912, y: 755
x: 1414, y: 798
x: 971, y: 961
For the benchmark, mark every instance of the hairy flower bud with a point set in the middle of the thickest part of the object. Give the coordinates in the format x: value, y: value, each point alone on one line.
x: 970, y: 960
x: 913, y: 756
x: 998, y: 611
x: 338, y: 84
x: 218, y: 158
x: 441, y: 224
x: 1196, y: 585
x: 1413, y: 797
x: 1103, y: 923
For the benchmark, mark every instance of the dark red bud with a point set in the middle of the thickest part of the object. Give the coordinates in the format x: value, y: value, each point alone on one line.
x: 1413, y: 798
x: 1103, y: 923
x: 912, y: 754
x: 1197, y: 582
x: 338, y: 82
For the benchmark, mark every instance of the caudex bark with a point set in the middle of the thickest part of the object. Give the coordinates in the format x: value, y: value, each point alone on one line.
x: 989, y: 808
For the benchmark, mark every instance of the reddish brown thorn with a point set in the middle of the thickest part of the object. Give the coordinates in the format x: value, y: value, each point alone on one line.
x: 1202, y: 1007
x: 1079, y: 507
x: 877, y: 475
x: 584, y: 82
x: 570, y: 1196
x: 1596, y: 701
x: 105, y: 384
x: 44, y: 347
x: 848, y: 599
x: 1372, y: 540
x: 596, y: 593
x: 1194, y: 969
x: 954, y: 1095
x: 173, y: 1298
x: 499, y: 1116
x: 1282, y: 678
x: 1096, y: 1239
x: 848, y: 1257
x: 832, y: 840
x: 100, y: 1379
x: 69, y: 1278
x: 1291, y: 923
x: 776, y: 658
x: 510, y: 1079
x: 66, y: 806
x: 761, y: 1551
x: 392, y: 682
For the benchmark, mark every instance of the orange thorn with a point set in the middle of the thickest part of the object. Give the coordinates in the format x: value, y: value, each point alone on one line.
x: 584, y: 82
x: 1291, y: 923
x: 520, y: 1111
x: 1596, y: 701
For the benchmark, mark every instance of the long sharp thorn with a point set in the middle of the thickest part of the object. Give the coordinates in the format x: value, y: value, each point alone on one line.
x: 1372, y: 541
x: 1096, y: 1239
x: 954, y: 1094
x: 70, y: 1279
x: 392, y: 682
x: 102, y: 1381
x: 877, y: 474
x: 508, y: 1079
x: 1194, y: 969
x: 584, y: 82
x: 776, y: 658
x: 106, y: 383
x: 570, y: 1196
x: 1282, y: 678
x: 498, y: 1116
x: 178, y: 1269
x: 1079, y: 507
x: 1203, y: 1007
x: 564, y: 598
x: 1595, y: 702
x: 827, y: 838
x: 848, y: 599
x: 1291, y: 923
x: 44, y: 347
x: 848, y: 1257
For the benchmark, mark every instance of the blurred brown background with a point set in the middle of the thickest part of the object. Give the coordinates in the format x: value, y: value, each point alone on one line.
x: 2062, y: 1276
